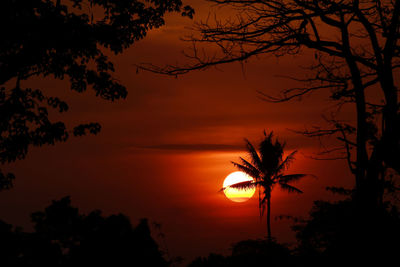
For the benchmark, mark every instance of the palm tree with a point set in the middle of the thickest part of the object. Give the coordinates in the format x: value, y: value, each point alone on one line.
x: 267, y: 168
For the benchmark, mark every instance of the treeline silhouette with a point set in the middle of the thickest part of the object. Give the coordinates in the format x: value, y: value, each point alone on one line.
x: 64, y: 237
x: 335, y: 234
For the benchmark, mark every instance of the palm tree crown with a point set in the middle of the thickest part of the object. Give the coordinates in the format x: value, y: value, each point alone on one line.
x: 267, y: 168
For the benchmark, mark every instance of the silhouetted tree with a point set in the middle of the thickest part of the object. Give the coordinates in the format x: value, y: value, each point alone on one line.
x: 267, y: 168
x: 355, y: 52
x: 63, y: 39
x: 338, y: 233
x: 65, y: 237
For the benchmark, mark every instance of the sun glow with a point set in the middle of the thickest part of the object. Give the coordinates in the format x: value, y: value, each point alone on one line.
x: 237, y: 195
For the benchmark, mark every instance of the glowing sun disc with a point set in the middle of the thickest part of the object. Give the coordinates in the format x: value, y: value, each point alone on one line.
x: 237, y: 195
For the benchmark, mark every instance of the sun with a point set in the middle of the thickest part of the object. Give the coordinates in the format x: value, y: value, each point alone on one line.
x: 237, y: 195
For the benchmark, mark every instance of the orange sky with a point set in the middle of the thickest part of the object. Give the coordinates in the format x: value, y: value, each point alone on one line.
x: 164, y: 152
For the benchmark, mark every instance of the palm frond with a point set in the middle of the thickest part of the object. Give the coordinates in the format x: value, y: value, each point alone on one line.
x: 243, y: 185
x: 255, y: 172
x: 290, y: 188
x: 255, y: 158
x: 290, y: 178
x: 285, y: 164
x: 247, y: 170
x: 249, y: 165
x: 271, y: 153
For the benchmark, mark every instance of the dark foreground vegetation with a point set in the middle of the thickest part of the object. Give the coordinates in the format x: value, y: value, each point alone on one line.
x: 65, y: 237
x: 335, y: 234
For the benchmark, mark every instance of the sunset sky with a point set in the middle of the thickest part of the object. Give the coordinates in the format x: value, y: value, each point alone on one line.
x: 164, y: 152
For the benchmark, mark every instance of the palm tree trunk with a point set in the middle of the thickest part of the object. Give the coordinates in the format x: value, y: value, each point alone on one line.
x: 269, y: 236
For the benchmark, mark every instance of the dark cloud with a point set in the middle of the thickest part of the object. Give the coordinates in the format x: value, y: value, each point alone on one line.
x: 195, y: 147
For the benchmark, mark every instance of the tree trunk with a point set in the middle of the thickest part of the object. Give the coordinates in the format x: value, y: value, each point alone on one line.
x: 373, y: 185
x: 361, y: 154
x: 391, y: 129
x: 269, y: 236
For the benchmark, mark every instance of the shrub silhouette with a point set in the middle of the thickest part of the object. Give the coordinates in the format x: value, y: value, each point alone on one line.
x: 64, y: 237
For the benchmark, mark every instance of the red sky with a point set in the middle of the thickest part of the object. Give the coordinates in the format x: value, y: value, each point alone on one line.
x: 164, y: 152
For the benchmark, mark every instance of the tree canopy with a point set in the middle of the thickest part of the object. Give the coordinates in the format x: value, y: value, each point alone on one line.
x: 63, y: 39
x: 356, y: 55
